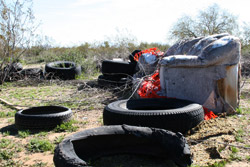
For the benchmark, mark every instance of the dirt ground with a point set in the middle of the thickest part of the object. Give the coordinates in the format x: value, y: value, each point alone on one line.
x: 224, y: 141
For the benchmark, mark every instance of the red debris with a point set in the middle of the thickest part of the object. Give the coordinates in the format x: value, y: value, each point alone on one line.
x: 150, y: 86
x: 209, y: 114
x: 153, y: 51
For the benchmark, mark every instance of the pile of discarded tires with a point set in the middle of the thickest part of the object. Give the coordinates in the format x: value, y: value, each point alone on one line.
x: 146, y: 126
x: 117, y: 72
x: 15, y: 71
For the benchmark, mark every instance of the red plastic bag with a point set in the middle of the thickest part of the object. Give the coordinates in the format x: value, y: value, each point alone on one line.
x: 209, y: 114
x: 150, y: 86
x: 153, y: 51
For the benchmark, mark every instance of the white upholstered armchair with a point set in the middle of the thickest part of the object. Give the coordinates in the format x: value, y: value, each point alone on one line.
x: 204, y: 70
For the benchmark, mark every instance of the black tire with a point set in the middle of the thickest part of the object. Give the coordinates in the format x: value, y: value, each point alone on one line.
x: 119, y: 68
x: 64, y: 70
x: 171, y: 114
x: 12, y: 71
x: 42, y: 118
x: 32, y: 73
x: 81, y: 148
x: 107, y: 80
x: 14, y: 67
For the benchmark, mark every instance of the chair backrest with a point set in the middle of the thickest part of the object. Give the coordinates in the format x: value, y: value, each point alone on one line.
x: 192, y: 46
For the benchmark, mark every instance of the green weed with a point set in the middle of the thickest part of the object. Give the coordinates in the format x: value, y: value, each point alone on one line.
x: 7, y: 133
x: 66, y: 127
x: 239, y: 134
x: 218, y: 164
x: 239, y: 110
x: 23, y: 134
x: 40, y: 145
x: 41, y: 134
x: 59, y: 139
x: 248, y: 158
x: 6, y: 154
x: 39, y: 164
x: 4, y: 143
x: 7, y: 114
x: 234, y: 157
x: 11, y: 120
x: 234, y: 149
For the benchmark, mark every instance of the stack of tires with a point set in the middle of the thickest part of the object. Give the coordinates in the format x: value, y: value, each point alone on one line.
x: 116, y: 73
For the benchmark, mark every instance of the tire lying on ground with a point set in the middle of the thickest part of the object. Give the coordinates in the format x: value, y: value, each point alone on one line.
x: 171, y: 114
x: 85, y: 146
x: 12, y: 71
x: 42, y: 118
x: 32, y: 73
x: 14, y: 67
x: 107, y: 80
x: 65, y: 70
x: 119, y: 68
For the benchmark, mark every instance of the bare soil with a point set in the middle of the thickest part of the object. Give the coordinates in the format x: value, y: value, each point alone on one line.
x: 224, y: 139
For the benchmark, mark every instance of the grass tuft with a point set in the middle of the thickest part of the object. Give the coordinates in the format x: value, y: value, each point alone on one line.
x: 40, y: 145
x: 67, y: 127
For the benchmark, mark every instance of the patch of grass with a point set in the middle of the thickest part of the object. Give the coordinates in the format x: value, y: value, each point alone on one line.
x: 7, y: 114
x: 42, y: 134
x: 39, y: 164
x: 23, y: 134
x: 239, y: 110
x: 11, y: 121
x: 220, y: 149
x: 239, y: 134
x: 6, y: 154
x: 7, y: 133
x: 234, y: 157
x: 248, y: 158
x: 67, y: 127
x: 40, y: 145
x: 218, y: 164
x: 234, y: 149
x: 59, y: 139
x: 12, y: 163
x: 4, y: 143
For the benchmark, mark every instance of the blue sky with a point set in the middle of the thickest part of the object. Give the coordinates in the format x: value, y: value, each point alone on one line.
x: 73, y: 22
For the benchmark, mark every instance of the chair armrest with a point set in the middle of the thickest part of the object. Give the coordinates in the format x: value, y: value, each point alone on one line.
x: 181, y: 61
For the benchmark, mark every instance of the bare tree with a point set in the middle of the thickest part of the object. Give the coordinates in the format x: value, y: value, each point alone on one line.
x: 16, y: 31
x: 213, y: 20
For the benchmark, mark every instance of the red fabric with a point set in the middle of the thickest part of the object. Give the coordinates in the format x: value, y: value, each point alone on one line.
x: 153, y: 51
x: 209, y: 114
x: 150, y: 86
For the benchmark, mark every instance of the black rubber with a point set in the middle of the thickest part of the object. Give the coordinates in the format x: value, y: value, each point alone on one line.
x: 107, y: 80
x: 81, y: 148
x: 32, y: 73
x: 64, y: 70
x: 12, y: 72
x: 42, y: 118
x: 119, y: 68
x: 171, y: 114
x: 14, y: 67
